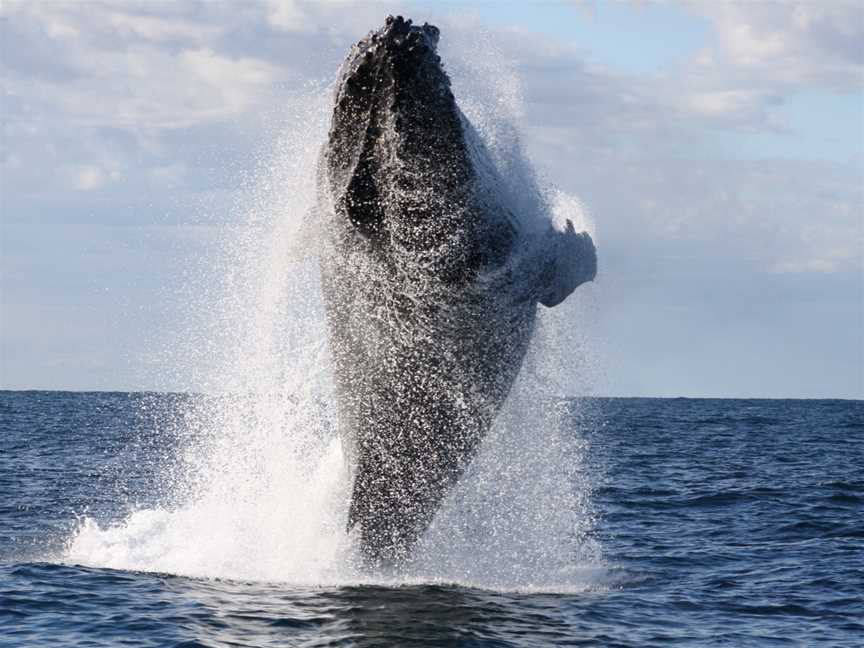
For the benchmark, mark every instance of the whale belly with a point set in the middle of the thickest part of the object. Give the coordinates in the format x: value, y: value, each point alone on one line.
x: 421, y: 372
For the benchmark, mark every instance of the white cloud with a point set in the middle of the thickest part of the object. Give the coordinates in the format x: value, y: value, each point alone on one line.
x: 724, y: 101
x: 146, y: 87
x: 287, y: 15
x: 159, y: 29
x: 793, y: 42
x: 740, y: 108
x: 757, y: 54
x: 130, y: 71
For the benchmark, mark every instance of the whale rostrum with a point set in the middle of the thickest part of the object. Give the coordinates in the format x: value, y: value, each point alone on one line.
x: 430, y: 283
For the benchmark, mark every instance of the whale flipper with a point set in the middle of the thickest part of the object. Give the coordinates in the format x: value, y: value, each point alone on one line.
x: 571, y: 261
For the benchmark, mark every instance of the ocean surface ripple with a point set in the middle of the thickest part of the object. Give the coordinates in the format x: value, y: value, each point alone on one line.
x: 722, y: 523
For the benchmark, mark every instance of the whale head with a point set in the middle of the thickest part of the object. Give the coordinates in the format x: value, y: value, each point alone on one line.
x: 396, y: 159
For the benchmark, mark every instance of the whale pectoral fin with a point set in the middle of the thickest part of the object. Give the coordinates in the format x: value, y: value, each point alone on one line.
x: 571, y: 262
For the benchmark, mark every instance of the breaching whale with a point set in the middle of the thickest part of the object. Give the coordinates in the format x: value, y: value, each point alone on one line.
x: 430, y: 283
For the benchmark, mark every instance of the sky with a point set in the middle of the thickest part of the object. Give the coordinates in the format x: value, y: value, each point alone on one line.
x: 718, y: 148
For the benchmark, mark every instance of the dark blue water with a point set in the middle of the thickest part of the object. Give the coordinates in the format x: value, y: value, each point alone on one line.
x: 722, y: 523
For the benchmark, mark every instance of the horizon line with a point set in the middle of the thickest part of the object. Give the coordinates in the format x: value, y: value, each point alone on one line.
x: 562, y: 396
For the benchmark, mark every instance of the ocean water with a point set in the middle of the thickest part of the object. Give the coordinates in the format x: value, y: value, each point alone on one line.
x: 703, y: 523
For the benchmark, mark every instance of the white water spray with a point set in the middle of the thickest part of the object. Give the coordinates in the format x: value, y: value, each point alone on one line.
x: 261, y: 490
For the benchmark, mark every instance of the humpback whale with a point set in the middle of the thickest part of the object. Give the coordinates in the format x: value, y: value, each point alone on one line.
x: 430, y: 281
